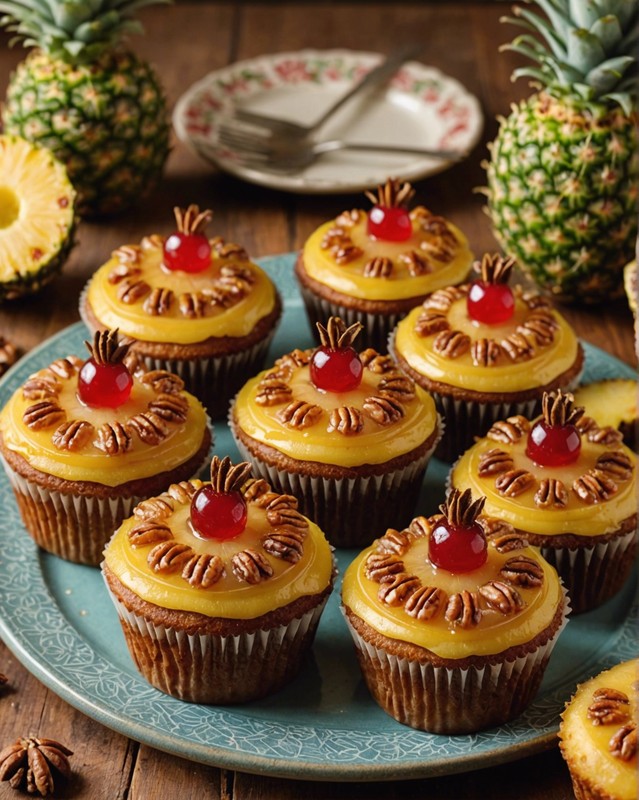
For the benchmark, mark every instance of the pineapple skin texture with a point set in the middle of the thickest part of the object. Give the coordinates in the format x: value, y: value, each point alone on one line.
x: 562, y: 192
x: 106, y: 121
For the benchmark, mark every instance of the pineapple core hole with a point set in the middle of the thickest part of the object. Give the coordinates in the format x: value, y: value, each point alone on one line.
x: 9, y: 207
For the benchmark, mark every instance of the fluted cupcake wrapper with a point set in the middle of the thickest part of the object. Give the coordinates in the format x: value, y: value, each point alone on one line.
x: 377, y: 327
x: 351, y: 512
x: 594, y: 574
x: 74, y: 527
x: 452, y: 700
x: 216, y: 669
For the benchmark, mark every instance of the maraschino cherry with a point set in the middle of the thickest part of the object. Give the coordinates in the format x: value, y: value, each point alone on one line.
x: 188, y: 249
x: 458, y: 542
x: 389, y: 218
x: 490, y: 299
x: 218, y: 509
x: 335, y: 365
x: 104, y: 380
x: 554, y: 439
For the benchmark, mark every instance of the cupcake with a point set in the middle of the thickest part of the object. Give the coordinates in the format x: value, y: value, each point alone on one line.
x: 566, y: 484
x: 194, y: 306
x: 83, y: 442
x: 598, y: 735
x: 373, y: 267
x: 219, y: 586
x: 453, y: 618
x: 486, y: 352
x: 344, y: 432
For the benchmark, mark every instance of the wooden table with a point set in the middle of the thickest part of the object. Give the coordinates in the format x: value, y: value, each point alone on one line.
x: 185, y: 42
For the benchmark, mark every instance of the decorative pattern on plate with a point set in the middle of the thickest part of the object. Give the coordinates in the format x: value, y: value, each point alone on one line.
x: 434, y: 108
x: 58, y: 620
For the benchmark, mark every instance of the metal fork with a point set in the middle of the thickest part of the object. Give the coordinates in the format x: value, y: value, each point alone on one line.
x: 297, y: 156
x: 267, y: 126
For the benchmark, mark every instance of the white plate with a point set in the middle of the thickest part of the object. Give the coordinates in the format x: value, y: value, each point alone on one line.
x: 420, y: 107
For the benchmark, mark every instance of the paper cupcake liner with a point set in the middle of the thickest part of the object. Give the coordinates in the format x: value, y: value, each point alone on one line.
x: 351, y: 512
x: 377, y: 327
x: 216, y: 669
x: 594, y: 574
x: 452, y: 700
x: 217, y: 379
x: 73, y: 527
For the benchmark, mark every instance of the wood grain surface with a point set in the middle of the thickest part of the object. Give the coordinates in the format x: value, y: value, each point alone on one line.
x: 185, y: 41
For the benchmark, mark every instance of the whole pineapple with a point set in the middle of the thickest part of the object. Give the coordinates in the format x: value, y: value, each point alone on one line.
x: 92, y: 102
x: 564, y: 168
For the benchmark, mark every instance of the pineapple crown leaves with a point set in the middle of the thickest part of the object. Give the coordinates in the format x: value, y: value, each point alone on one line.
x: 588, y: 48
x: 76, y: 31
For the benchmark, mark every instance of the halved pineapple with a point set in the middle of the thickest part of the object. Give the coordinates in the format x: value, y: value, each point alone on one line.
x: 37, y: 217
x: 630, y: 284
x: 612, y: 401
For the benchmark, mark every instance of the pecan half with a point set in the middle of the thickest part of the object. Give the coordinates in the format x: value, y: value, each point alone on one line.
x: 425, y: 602
x: 509, y: 430
x: 170, y: 407
x: 430, y: 322
x: 149, y: 426
x: 382, y: 567
x: 32, y: 762
x: 616, y: 464
x: 606, y: 435
x: 451, y: 343
x: 203, y: 570
x: 398, y: 386
x: 73, y: 435
x: 494, y: 461
x: 41, y: 387
x: 121, y: 271
x: 159, y: 302
x: 551, y: 494
x: 517, y: 347
x: 608, y: 706
x: 485, y: 352
x: 514, y: 482
x: 502, y: 597
x: 623, y: 744
x: 383, y: 410
x: 443, y: 299
x: 345, y: 252
x: 131, y: 290
x: 286, y: 544
x: 300, y: 414
x: 507, y: 542
x: 379, y: 267
x: 193, y: 305
x: 149, y: 531
x: 420, y: 526
x: 169, y: 556
x: 523, y: 571
x: 65, y: 367
x: 287, y: 517
x: 416, y: 263
x: 347, y: 420
x: 541, y: 325
x: 394, y: 542
x: 594, y: 486
x: 113, y: 438
x: 463, y: 609
x: 254, y: 488
x: 396, y: 590
x: 184, y: 490
x: 375, y: 362
x: 163, y: 381
x: 250, y: 566
x: 347, y: 219
x: 153, y: 508
x: 44, y: 414
x: 273, y: 392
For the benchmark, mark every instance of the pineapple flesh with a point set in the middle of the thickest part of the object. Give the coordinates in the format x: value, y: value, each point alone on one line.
x: 563, y: 173
x: 37, y: 219
x: 612, y: 401
x: 95, y: 104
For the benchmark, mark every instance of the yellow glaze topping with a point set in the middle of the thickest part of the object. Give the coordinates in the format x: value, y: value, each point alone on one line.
x: 229, y: 597
x: 495, y: 632
x: 507, y: 374
x: 578, y: 516
x: 179, y: 440
x: 403, y: 281
x: 376, y: 442
x: 586, y: 746
x: 134, y: 292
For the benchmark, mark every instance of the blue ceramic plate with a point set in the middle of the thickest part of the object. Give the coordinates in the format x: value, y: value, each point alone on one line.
x: 57, y: 619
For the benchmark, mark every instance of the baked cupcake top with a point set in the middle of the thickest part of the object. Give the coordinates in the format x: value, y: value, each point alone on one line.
x: 99, y: 421
x: 335, y: 405
x: 387, y: 253
x: 230, y: 548
x: 484, y: 336
x: 561, y: 473
x: 458, y: 584
x: 183, y: 288
x: 598, y: 733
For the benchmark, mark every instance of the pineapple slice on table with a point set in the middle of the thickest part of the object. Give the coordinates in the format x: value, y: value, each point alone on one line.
x: 97, y: 106
x: 37, y: 218
x: 563, y: 172
x: 612, y: 401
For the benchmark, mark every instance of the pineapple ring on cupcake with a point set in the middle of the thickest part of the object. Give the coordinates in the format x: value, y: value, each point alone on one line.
x: 453, y: 618
x: 486, y: 352
x: 195, y: 306
x: 372, y: 267
x: 566, y: 484
x: 598, y: 735
x: 344, y: 431
x: 219, y: 586
x: 613, y: 402
x: 84, y: 441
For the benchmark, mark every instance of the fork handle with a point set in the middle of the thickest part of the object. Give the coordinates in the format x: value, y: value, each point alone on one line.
x: 376, y: 77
